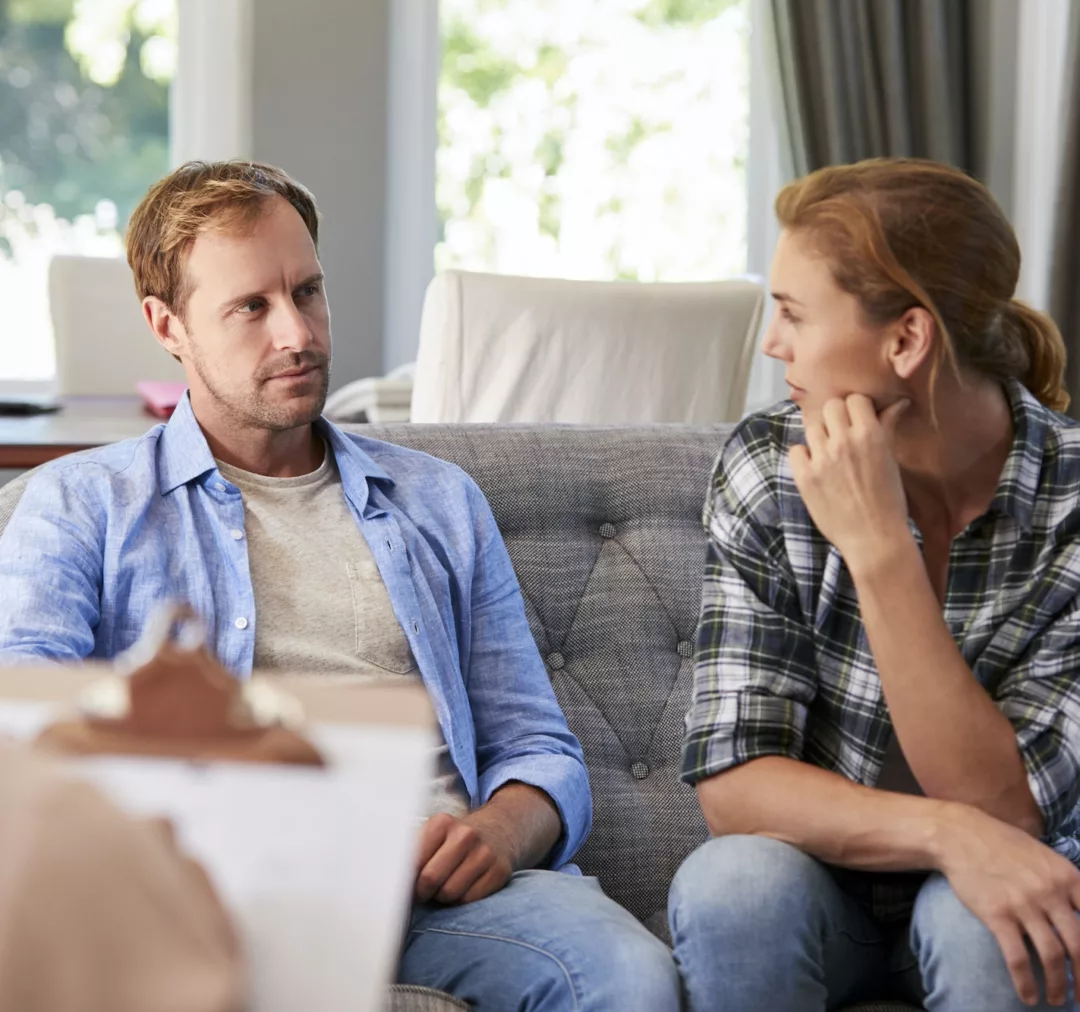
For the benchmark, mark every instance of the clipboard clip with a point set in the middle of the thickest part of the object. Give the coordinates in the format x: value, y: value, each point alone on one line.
x: 171, y: 697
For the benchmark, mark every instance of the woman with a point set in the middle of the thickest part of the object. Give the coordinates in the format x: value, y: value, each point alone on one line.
x: 885, y: 727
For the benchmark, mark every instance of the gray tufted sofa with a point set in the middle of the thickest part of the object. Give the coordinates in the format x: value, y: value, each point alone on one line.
x: 603, y: 527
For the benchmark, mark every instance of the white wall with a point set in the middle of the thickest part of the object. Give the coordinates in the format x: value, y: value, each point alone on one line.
x: 412, y: 220
x: 319, y: 112
x: 304, y: 87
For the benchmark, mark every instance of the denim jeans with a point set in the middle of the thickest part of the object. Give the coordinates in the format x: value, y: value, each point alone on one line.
x: 547, y: 942
x: 759, y: 926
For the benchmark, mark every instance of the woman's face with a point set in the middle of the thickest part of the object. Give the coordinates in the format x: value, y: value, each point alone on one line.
x: 820, y: 332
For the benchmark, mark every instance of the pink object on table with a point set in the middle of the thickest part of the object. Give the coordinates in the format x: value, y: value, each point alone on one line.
x: 160, y: 396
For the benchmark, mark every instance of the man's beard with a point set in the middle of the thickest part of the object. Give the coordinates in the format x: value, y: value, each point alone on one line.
x: 251, y: 409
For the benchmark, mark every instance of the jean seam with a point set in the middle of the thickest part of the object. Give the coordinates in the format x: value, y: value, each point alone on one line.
x: 509, y: 941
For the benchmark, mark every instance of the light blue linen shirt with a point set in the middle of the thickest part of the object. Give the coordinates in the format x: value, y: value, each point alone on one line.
x: 99, y: 539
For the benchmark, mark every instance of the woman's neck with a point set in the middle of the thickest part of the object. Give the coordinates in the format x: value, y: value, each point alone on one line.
x: 951, y: 470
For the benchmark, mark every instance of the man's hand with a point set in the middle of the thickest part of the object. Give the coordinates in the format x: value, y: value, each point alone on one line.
x: 1018, y: 887
x: 848, y: 477
x: 464, y: 860
x: 461, y: 860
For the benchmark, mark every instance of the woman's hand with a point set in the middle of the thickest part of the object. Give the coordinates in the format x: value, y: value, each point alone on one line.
x: 849, y: 479
x: 1019, y: 888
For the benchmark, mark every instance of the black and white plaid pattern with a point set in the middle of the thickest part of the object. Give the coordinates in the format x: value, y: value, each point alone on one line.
x: 783, y: 666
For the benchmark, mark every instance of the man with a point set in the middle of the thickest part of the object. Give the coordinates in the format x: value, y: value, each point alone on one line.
x: 307, y: 549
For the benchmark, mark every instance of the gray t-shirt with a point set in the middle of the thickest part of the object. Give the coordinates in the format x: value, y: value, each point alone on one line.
x: 320, y: 603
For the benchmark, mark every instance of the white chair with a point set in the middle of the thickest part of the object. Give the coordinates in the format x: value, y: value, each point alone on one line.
x: 103, y: 345
x: 495, y: 348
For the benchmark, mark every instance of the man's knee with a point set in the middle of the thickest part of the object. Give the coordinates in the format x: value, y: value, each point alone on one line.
x: 750, y: 883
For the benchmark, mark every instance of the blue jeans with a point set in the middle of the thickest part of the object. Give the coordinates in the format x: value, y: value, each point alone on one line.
x: 548, y: 942
x: 760, y: 926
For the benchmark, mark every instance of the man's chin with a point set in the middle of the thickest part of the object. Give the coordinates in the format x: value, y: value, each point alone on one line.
x: 292, y: 412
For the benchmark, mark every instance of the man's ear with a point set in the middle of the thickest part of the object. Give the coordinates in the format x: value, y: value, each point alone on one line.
x: 166, y: 326
x: 911, y: 341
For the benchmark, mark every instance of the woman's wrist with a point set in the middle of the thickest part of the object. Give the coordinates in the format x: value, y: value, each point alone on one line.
x: 884, y: 556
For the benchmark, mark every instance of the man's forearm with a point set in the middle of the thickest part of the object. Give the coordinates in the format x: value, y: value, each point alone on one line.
x: 825, y: 815
x: 527, y: 821
x: 959, y: 745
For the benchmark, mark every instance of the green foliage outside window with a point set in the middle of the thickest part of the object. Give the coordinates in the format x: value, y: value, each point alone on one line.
x: 84, y: 101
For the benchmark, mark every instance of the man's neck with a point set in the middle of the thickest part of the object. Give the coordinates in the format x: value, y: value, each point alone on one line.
x: 285, y: 454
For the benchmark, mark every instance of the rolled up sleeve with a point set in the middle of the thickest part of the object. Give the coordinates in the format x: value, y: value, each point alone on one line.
x: 754, y: 669
x: 1041, y: 698
x: 521, y: 733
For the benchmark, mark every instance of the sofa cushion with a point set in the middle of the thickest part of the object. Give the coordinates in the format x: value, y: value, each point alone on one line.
x: 603, y: 525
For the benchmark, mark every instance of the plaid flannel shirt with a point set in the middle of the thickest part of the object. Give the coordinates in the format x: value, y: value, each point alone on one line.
x: 783, y: 665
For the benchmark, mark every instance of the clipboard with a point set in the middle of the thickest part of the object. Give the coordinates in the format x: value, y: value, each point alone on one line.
x: 311, y: 849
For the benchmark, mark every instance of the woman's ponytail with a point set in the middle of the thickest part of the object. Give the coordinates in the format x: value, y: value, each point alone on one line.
x: 1041, y: 340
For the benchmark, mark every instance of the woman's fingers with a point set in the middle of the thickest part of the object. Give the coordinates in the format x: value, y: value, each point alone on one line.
x: 1066, y: 923
x: 1017, y: 959
x: 835, y: 418
x: 1051, y: 952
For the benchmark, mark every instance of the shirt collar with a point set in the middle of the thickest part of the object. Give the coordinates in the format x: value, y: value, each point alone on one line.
x: 1018, y: 487
x: 185, y: 454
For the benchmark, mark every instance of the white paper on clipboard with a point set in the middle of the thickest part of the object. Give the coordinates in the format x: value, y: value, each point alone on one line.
x: 314, y: 865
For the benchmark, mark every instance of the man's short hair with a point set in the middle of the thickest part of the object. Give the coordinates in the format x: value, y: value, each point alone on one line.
x: 199, y: 197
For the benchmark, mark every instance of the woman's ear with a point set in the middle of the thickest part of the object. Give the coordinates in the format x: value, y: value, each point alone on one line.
x: 911, y: 342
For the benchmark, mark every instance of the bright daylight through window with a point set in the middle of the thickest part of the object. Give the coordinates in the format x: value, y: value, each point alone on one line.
x: 605, y: 139
x: 84, y: 130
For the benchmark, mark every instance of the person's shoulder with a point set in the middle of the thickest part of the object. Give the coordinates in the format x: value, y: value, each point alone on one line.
x: 130, y: 465
x: 424, y: 486
x: 406, y: 465
x: 750, y: 474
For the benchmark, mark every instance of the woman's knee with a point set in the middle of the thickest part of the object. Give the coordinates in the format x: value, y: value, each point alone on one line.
x: 957, y: 953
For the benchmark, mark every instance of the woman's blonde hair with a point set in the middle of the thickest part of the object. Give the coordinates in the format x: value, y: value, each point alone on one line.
x: 901, y: 233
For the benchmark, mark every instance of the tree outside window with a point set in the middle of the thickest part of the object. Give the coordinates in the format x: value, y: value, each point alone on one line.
x: 605, y: 139
x: 84, y: 131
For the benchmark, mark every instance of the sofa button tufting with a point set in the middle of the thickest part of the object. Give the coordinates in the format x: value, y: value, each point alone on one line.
x: 607, y: 531
x: 556, y: 661
x: 684, y: 648
x: 639, y: 770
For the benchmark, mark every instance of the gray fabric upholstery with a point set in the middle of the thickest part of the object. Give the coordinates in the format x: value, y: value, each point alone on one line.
x: 603, y: 525
x: 604, y: 529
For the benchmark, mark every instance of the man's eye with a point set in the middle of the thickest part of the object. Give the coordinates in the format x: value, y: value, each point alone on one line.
x: 251, y: 307
x: 310, y: 290
x: 786, y: 314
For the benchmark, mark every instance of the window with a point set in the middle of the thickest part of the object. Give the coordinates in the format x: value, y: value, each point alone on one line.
x: 84, y: 126
x: 600, y: 140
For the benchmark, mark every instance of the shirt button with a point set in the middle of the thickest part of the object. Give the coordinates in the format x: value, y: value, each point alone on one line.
x: 241, y: 623
x: 220, y: 486
x: 237, y: 534
x: 639, y: 770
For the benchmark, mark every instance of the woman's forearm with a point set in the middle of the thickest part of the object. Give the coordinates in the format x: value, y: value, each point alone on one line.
x: 959, y: 745
x: 828, y: 816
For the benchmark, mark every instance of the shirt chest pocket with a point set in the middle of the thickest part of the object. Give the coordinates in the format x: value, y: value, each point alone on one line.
x: 380, y: 640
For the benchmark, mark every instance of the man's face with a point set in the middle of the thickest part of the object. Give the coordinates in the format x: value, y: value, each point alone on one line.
x: 255, y: 336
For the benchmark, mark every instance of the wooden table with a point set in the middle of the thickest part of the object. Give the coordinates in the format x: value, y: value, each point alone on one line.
x: 82, y: 423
